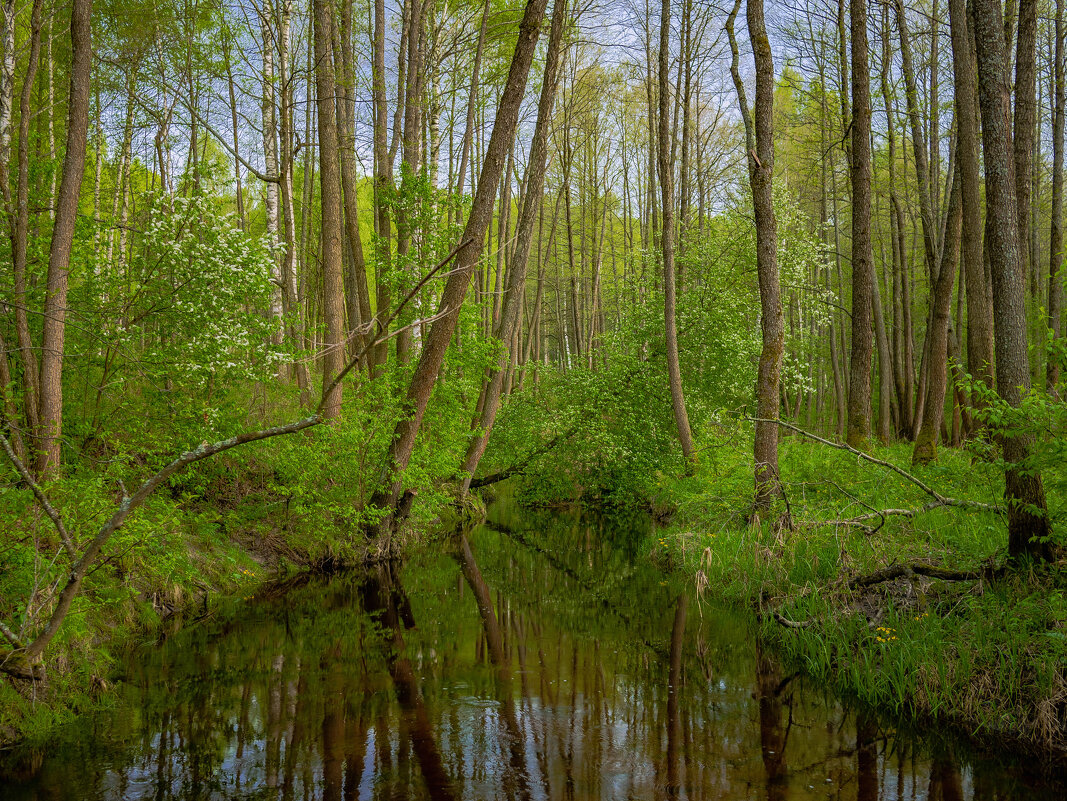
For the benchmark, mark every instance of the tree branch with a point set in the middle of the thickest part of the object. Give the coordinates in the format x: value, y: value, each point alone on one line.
x: 10, y: 636
x: 916, y: 568
x: 54, y: 516
x: 520, y: 467
x: 941, y: 500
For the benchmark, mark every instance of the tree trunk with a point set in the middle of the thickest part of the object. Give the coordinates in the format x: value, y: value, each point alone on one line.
x: 1055, y: 280
x: 859, y: 390
x: 383, y: 187
x: 55, y: 304
x: 1025, y: 118
x: 759, y: 140
x: 666, y: 181
x: 333, y: 288
x: 20, y: 234
x: 979, y: 301
x: 358, y: 293
x: 925, y: 450
x: 1028, y: 523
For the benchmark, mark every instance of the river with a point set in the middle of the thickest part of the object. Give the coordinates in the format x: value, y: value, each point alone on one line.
x: 539, y: 656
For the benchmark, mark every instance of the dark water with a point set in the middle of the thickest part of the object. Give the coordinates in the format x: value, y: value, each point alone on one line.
x: 538, y: 657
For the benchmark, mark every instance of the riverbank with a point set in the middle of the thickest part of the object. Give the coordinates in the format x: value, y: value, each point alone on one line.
x: 215, y: 537
x: 913, y: 614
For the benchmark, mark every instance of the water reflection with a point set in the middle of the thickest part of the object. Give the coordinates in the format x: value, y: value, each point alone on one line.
x: 533, y: 659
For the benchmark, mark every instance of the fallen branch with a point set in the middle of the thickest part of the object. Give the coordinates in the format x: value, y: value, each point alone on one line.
x: 916, y: 568
x: 941, y: 500
x: 791, y: 624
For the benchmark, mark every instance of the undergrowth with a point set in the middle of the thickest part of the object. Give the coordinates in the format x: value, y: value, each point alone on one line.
x: 989, y: 654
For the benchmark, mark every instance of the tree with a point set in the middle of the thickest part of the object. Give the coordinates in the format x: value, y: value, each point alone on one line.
x: 1028, y: 523
x: 333, y: 287
x: 55, y: 306
x: 859, y: 385
x: 664, y: 143
x: 759, y: 140
x: 387, y: 496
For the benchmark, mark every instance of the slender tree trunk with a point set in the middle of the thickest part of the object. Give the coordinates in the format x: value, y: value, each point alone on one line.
x: 859, y: 388
x: 925, y: 450
x: 383, y: 187
x: 922, y: 168
x: 358, y: 293
x: 20, y: 233
x: 333, y: 288
x: 7, y: 95
x: 268, y: 109
x: 1028, y: 523
x: 1055, y: 279
x: 979, y: 300
x: 1025, y: 118
x: 666, y: 181
x: 55, y: 304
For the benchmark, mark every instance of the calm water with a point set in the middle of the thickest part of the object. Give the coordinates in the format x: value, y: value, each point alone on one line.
x: 539, y: 657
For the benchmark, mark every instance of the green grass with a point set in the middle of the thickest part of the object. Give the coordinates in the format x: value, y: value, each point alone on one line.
x: 990, y: 655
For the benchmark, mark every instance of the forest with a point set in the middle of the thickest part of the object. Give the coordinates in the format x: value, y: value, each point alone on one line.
x: 307, y: 286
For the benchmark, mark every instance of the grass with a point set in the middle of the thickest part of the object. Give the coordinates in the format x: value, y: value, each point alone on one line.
x: 988, y: 655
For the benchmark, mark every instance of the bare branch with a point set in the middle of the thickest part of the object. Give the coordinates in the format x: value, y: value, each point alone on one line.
x: 10, y: 636
x: 941, y: 500
x: 790, y: 624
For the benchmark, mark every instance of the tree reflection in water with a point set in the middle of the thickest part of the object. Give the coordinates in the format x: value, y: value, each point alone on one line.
x: 550, y: 660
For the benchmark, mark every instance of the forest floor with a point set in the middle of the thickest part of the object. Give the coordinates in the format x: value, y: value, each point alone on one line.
x: 913, y: 615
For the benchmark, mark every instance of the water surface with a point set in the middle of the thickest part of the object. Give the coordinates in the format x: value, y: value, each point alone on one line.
x: 541, y: 656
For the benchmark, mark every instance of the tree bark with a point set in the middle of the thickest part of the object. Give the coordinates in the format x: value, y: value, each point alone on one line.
x: 859, y: 389
x: 55, y: 304
x: 665, y: 139
x: 333, y: 288
x: 1028, y: 523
